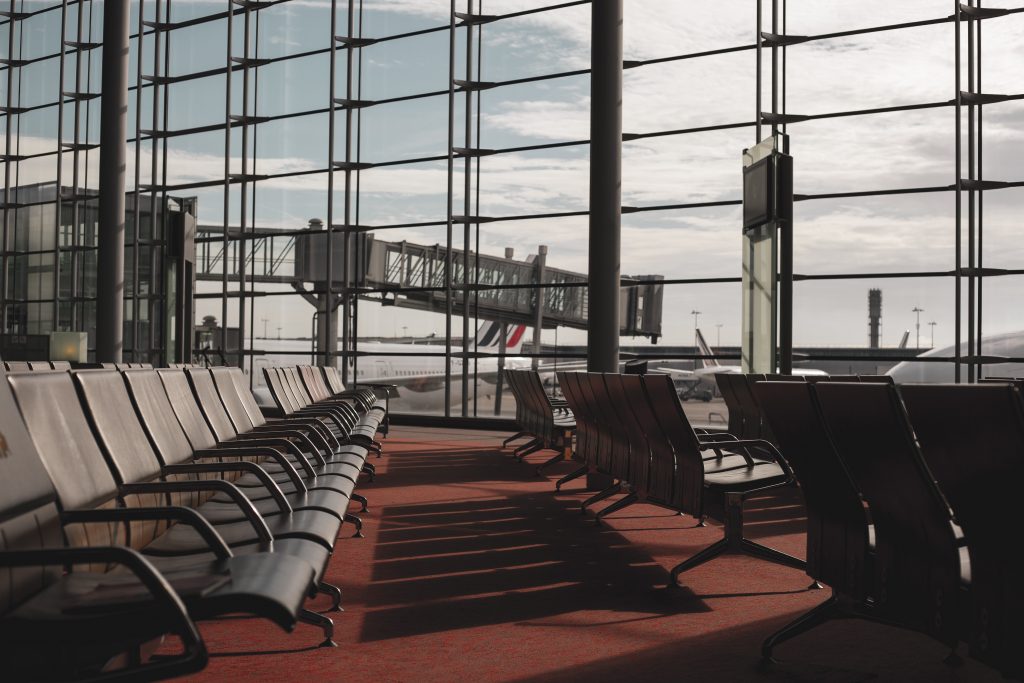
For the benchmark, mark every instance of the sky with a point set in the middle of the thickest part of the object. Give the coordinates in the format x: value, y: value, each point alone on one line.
x: 860, y: 235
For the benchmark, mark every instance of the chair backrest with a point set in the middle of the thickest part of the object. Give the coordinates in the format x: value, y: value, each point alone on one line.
x: 617, y: 430
x: 785, y: 378
x: 28, y: 506
x: 972, y: 437
x: 513, y: 385
x: 188, y: 412
x: 877, y: 379
x: 209, y: 402
x: 313, y: 380
x: 231, y: 402
x: 837, y: 523
x: 17, y: 366
x: 294, y: 382
x: 80, y: 473
x: 623, y: 392
x: 158, y: 417
x: 917, y: 558
x: 844, y: 378
x: 586, y: 434
x: 688, y: 484
x: 116, y: 425
x: 732, y: 404
x: 605, y: 452
x: 40, y: 366
x: 333, y: 379
x: 662, y: 463
x: 277, y: 391
x: 241, y: 384
x: 742, y: 385
x: 61, y: 365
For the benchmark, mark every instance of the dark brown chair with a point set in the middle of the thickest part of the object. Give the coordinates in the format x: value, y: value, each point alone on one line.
x: 972, y: 437
x: 214, y: 578
x: 838, y: 526
x: 55, y: 613
x: 692, y: 484
x: 921, y: 567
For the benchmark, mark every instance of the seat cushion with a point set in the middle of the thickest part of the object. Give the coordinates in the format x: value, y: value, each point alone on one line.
x: 745, y: 478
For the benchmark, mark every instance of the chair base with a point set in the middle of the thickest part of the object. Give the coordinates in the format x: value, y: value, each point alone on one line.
x: 514, y: 437
x: 599, y: 496
x: 326, y: 625
x: 335, y: 593
x: 548, y: 463
x: 735, y: 543
x: 836, y: 607
x: 623, y: 502
x: 575, y: 474
x: 352, y: 519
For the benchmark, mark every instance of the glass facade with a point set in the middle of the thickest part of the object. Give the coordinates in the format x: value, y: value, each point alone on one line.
x: 382, y: 184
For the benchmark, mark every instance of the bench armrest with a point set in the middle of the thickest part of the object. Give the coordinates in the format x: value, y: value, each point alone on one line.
x: 179, y: 514
x: 243, y: 466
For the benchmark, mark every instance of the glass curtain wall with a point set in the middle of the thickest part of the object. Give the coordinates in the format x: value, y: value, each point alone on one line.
x: 350, y: 159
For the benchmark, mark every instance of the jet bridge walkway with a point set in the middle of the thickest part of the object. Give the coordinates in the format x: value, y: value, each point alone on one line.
x: 411, y: 275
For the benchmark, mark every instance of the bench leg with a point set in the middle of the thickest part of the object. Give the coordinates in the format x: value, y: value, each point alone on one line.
x: 533, y: 448
x: 624, y: 502
x: 735, y: 543
x: 557, y: 458
x: 361, y: 500
x: 352, y: 519
x: 334, y: 592
x: 599, y: 496
x: 517, y: 435
x: 326, y: 625
x: 805, y: 622
x: 575, y: 474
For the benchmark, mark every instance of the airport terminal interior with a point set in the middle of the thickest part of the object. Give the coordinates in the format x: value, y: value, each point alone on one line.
x: 511, y: 340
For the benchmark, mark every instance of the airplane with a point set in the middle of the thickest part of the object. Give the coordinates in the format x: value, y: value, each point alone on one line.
x: 1007, y: 345
x: 695, y: 382
x: 420, y: 378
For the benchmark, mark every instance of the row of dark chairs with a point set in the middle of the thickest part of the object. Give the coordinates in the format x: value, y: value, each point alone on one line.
x: 632, y: 429
x: 167, y: 498
x: 63, y: 365
x: 912, y: 505
x: 319, y: 391
x: 746, y: 420
x: 546, y: 422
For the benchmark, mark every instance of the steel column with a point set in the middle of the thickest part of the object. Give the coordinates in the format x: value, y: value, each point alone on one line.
x: 113, y: 132
x: 605, y: 185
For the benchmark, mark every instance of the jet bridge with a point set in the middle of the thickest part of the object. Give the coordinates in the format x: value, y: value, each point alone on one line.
x: 409, y: 275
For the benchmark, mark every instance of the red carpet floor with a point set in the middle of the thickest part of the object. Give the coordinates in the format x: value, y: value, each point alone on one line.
x: 473, y: 569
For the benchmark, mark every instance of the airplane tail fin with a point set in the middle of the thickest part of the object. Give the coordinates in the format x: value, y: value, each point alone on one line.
x: 488, y: 336
x: 905, y: 339
x: 705, y: 350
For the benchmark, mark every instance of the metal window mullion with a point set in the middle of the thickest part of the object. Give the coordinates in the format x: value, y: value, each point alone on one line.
x: 958, y: 202
x: 58, y: 206
x: 449, y: 222
x: 244, y: 192
x: 227, y: 187
x: 360, y: 241
x: 163, y: 160
x: 329, y: 258
x: 268, y: 243
x: 467, y: 208
x: 476, y: 260
x: 137, y: 209
x: 970, y: 201
x: 981, y: 201
x: 9, y: 134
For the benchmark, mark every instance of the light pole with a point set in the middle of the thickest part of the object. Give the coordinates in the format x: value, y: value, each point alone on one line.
x: 265, y: 320
x: 718, y: 338
x: 918, y: 310
x: 932, y: 323
x: 278, y: 331
x: 696, y: 316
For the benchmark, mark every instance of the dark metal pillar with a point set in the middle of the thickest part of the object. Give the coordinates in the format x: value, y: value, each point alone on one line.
x: 605, y: 185
x: 113, y: 132
x: 605, y: 194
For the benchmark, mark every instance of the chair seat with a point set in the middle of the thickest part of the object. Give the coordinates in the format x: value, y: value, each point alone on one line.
x: 715, y: 464
x: 745, y: 478
x: 322, y: 499
x: 313, y: 555
x: 253, y: 486
x: 312, y: 526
